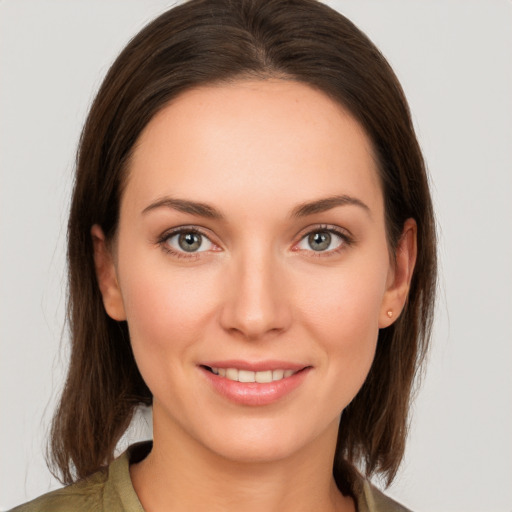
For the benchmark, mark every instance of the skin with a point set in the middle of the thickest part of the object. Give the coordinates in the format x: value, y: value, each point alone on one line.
x: 255, y: 151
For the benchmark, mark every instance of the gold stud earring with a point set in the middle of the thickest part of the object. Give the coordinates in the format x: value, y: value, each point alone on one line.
x: 390, y: 313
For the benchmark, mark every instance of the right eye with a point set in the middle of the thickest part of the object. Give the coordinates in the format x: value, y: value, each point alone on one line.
x: 187, y: 241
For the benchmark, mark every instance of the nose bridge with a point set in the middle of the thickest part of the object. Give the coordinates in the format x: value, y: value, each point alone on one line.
x: 256, y: 302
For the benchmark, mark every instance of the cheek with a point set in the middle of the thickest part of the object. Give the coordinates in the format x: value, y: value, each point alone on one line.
x: 347, y: 300
x: 166, y: 309
x: 343, y: 314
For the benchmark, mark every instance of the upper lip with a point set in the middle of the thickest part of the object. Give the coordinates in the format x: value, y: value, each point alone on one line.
x: 255, y: 366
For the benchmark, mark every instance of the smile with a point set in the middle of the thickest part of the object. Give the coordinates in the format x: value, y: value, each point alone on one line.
x: 254, y: 384
x: 261, y: 377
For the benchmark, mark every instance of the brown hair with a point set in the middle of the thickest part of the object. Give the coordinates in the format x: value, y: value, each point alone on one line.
x: 215, y: 41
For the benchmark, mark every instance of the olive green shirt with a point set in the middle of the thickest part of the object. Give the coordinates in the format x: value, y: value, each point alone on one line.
x: 111, y: 490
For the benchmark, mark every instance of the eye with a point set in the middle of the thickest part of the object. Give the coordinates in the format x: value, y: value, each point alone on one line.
x: 322, y: 240
x: 188, y: 241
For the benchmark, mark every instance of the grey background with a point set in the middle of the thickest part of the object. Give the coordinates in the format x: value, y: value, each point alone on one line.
x: 454, y: 58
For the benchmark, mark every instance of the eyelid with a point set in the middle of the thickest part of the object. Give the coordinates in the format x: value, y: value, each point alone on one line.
x: 343, y: 233
x: 189, y: 228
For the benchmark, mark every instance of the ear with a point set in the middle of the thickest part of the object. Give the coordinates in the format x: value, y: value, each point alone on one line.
x: 107, y: 276
x: 400, y: 275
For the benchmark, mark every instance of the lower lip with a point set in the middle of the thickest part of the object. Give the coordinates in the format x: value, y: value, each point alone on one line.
x: 255, y: 393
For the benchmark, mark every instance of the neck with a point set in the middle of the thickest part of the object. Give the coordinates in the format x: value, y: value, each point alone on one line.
x: 181, y: 475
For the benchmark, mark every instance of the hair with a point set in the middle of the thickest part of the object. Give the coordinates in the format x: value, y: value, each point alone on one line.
x: 206, y: 42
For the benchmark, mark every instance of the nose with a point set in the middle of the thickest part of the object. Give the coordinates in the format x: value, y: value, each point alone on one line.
x: 256, y: 303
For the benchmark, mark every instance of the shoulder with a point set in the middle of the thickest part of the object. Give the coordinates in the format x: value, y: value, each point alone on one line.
x: 108, y: 490
x: 81, y: 496
x: 371, y: 499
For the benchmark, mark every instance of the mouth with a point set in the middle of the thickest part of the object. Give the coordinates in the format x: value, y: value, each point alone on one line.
x: 261, y: 377
x: 254, y: 384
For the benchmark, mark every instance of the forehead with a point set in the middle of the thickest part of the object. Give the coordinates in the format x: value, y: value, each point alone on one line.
x: 252, y: 138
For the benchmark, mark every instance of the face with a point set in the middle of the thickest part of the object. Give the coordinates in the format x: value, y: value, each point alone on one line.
x: 252, y: 267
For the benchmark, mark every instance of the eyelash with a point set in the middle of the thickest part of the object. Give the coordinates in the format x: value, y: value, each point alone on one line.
x: 347, y: 240
x: 162, y: 242
x: 324, y: 228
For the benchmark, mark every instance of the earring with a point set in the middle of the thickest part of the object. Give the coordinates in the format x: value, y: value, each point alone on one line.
x: 389, y: 313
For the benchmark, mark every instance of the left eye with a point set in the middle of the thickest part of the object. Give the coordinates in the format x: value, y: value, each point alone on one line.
x: 321, y: 241
x: 189, y: 241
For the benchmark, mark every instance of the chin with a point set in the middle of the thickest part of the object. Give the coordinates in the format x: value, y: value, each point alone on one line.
x: 256, y: 451
x: 261, y: 441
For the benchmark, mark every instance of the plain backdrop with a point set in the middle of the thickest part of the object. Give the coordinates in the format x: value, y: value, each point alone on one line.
x: 454, y: 58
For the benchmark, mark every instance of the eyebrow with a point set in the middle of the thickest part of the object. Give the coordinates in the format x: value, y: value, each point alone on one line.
x: 302, y: 210
x: 328, y: 203
x: 185, y: 206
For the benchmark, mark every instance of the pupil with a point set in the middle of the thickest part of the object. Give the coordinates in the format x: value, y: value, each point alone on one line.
x: 189, y: 242
x: 319, y: 241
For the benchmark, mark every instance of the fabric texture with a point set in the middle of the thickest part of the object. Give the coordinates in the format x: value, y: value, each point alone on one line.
x: 111, y: 490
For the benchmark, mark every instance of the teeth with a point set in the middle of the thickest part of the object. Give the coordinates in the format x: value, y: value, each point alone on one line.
x: 231, y: 373
x: 249, y: 376
x: 277, y: 374
x: 263, y: 377
x: 245, y: 376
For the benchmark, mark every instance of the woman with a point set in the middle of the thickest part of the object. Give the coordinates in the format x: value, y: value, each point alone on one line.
x: 252, y: 252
